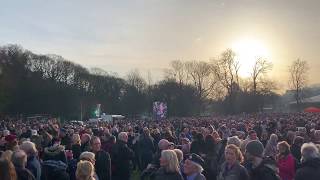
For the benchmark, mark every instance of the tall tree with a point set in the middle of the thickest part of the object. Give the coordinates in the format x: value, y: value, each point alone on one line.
x: 260, y: 67
x: 298, y: 78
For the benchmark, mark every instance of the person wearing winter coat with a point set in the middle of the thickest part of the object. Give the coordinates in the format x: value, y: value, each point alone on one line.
x: 146, y: 147
x: 271, y: 147
x: 193, y: 167
x: 285, y: 161
x: 102, y: 159
x: 19, y: 160
x: 169, y: 167
x: 260, y: 168
x: 231, y: 169
x: 33, y: 163
x: 121, y: 155
x: 54, y: 164
x: 310, y: 163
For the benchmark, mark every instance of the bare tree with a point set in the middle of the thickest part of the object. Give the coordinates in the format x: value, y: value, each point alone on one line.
x: 298, y: 78
x: 177, y: 71
x: 135, y: 79
x: 201, y: 77
x: 226, y: 69
x: 260, y: 67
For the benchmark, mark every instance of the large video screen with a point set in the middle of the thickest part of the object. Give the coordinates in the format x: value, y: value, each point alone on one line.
x: 159, y: 110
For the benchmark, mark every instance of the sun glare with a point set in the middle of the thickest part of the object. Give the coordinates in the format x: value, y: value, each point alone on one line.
x: 247, y: 51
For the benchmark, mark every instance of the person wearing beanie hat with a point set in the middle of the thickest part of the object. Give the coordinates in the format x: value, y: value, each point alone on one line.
x: 261, y: 168
x: 193, y: 167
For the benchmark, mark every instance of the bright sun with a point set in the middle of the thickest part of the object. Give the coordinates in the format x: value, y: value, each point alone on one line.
x: 247, y: 51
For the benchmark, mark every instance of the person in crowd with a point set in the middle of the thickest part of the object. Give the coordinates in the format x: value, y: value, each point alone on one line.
x: 252, y: 136
x: 54, y: 163
x: 198, y: 144
x: 179, y: 154
x: 193, y: 167
x: 310, y: 163
x: 169, y: 167
x: 316, y: 139
x: 76, y: 146
x: 7, y: 155
x: 85, y: 171
x: 260, y: 168
x: 103, y: 161
x: 232, y: 169
x: 185, y: 145
x: 296, y: 147
x: 33, y: 163
x: 234, y: 140
x: 19, y: 160
x: 271, y: 147
x: 146, y: 148
x: 121, y: 155
x: 85, y: 142
x: 7, y: 170
x: 285, y: 161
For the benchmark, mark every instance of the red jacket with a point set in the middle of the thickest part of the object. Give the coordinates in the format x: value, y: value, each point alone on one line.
x: 287, y: 167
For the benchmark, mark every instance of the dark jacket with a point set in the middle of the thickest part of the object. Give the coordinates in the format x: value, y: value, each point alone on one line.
x: 34, y: 166
x: 267, y: 170
x: 54, y: 170
x: 24, y: 174
x: 147, y: 149
x: 76, y: 151
x: 310, y: 170
x: 103, y: 165
x: 161, y: 174
x: 236, y: 172
x: 121, y: 155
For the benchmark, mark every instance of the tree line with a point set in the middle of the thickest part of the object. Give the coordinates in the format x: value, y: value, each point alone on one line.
x: 49, y: 84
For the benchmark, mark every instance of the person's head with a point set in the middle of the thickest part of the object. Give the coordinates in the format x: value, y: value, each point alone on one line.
x: 88, y: 156
x: 123, y: 136
x: 283, y: 147
x: 254, y: 149
x: 193, y: 165
x: 253, y: 135
x: 76, y: 139
x: 7, y: 155
x: 85, y: 170
x: 169, y: 161
x: 19, y: 158
x: 233, y: 154
x: 179, y: 154
x: 298, y: 141
x: 317, y: 135
x: 85, y: 138
x: 164, y: 144
x: 234, y: 140
x: 29, y: 148
x: 7, y: 170
x: 309, y: 151
x: 95, y: 144
x: 273, y: 139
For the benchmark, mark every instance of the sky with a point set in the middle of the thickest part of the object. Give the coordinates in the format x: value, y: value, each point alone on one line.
x: 121, y: 35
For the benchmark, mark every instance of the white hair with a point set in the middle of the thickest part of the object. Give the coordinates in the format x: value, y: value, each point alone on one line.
x: 123, y: 136
x: 28, y: 147
x: 309, y: 151
x: 198, y: 167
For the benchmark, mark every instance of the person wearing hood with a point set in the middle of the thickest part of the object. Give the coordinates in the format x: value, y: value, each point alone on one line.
x: 310, y: 163
x: 260, y: 168
x: 54, y: 165
x: 271, y: 147
x: 33, y: 163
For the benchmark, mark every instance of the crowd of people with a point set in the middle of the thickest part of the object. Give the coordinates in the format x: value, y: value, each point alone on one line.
x: 277, y: 146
